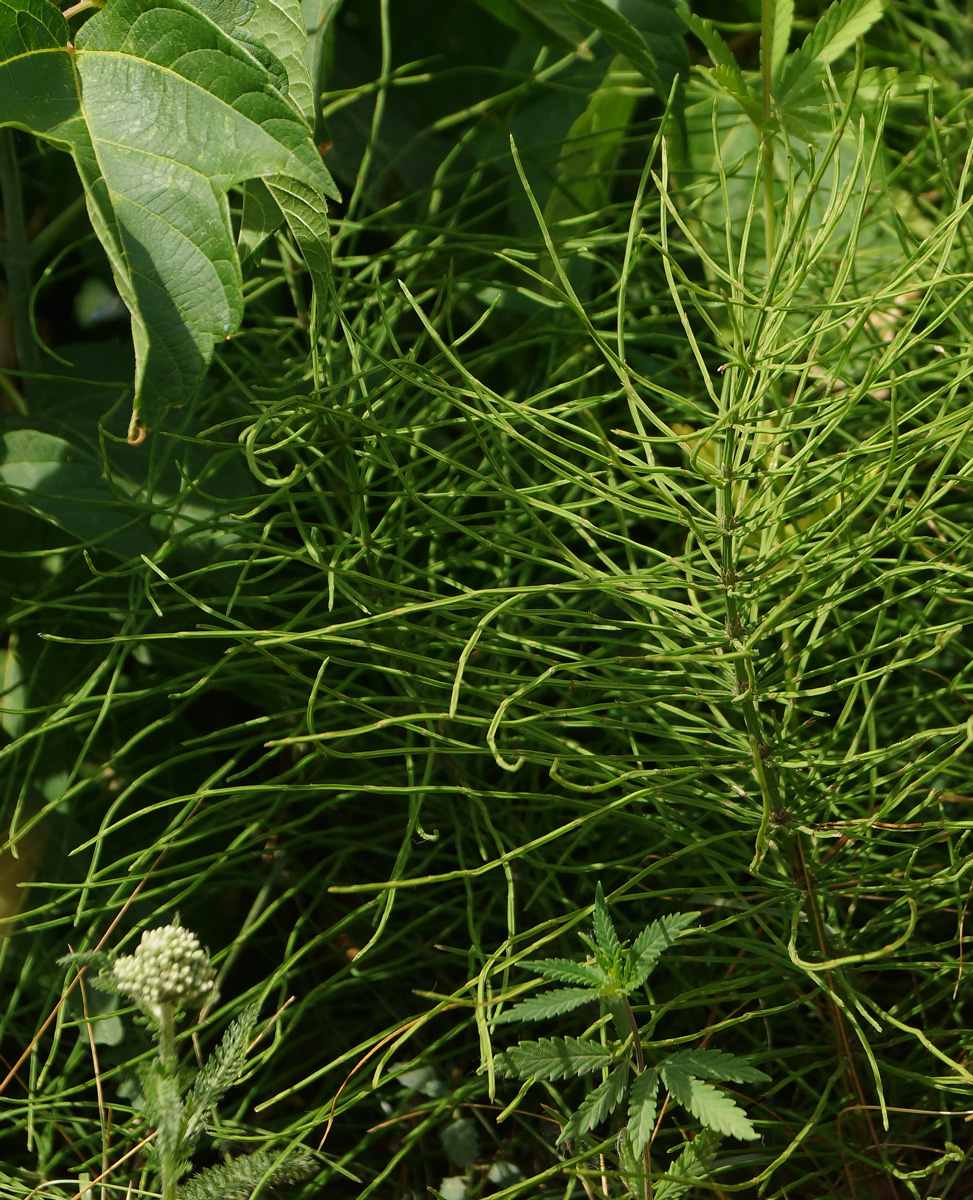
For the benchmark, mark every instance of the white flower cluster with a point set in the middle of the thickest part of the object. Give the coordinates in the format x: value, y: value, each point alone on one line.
x: 168, y: 967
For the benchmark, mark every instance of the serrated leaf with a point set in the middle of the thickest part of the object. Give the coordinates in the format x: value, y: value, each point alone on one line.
x: 643, y: 1105
x: 565, y: 970
x: 783, y: 18
x: 713, y: 1108
x: 693, y: 1164
x: 715, y: 1064
x: 163, y: 112
x: 548, y: 1004
x: 726, y: 71
x: 605, y: 934
x: 554, y: 1058
x: 833, y: 33
x: 652, y: 942
x: 597, y: 1105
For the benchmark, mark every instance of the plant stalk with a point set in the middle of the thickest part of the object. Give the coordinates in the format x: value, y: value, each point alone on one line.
x: 17, y: 254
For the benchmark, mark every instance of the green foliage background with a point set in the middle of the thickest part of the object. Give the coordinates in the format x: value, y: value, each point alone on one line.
x: 375, y: 657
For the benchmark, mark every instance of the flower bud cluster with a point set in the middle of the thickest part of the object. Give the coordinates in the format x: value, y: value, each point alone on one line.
x: 168, y: 967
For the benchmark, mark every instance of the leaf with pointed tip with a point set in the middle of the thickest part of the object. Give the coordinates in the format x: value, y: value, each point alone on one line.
x: 783, y: 18
x: 715, y: 1109
x: 554, y: 1058
x: 163, y: 112
x: 833, y: 33
x: 565, y: 970
x: 716, y: 1065
x: 643, y: 1105
x: 652, y: 942
x: 623, y: 36
x: 549, y: 1004
x: 693, y: 1163
x: 605, y: 934
x: 725, y: 71
x: 597, y: 1104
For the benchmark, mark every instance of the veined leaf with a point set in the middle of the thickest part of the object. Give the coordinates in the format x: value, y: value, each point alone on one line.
x: 693, y: 1163
x: 555, y: 1058
x: 652, y: 942
x: 543, y: 20
x: 550, y: 1004
x: 783, y: 15
x: 726, y: 70
x: 623, y: 35
x: 643, y: 1105
x: 163, y: 112
x: 564, y: 970
x: 715, y: 1109
x: 715, y: 1064
x: 605, y: 934
x: 841, y: 25
x: 598, y: 1104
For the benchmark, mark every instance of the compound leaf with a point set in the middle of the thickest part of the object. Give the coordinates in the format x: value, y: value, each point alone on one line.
x: 652, y: 942
x: 597, y: 1104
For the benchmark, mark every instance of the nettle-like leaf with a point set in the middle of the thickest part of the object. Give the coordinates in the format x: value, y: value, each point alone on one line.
x: 833, y: 33
x: 555, y: 1058
x: 605, y: 934
x: 715, y: 1109
x: 694, y: 1163
x: 164, y: 111
x: 550, y: 1004
x: 565, y: 970
x: 597, y: 1105
x: 652, y: 943
x: 717, y: 1065
x: 643, y: 1106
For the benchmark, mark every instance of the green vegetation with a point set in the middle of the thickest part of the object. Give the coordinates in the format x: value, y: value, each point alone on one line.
x: 590, y: 510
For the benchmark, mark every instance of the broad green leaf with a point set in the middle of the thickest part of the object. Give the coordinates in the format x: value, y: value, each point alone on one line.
x: 555, y: 1058
x: 544, y: 21
x: 715, y: 1109
x: 660, y: 22
x: 163, y: 112
x: 715, y: 1064
x: 598, y: 1104
x: 590, y: 150
x: 565, y: 970
x: 834, y: 32
x: 62, y: 483
x: 651, y: 944
x: 605, y: 934
x: 642, y: 1109
x: 623, y: 35
x: 550, y: 1004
